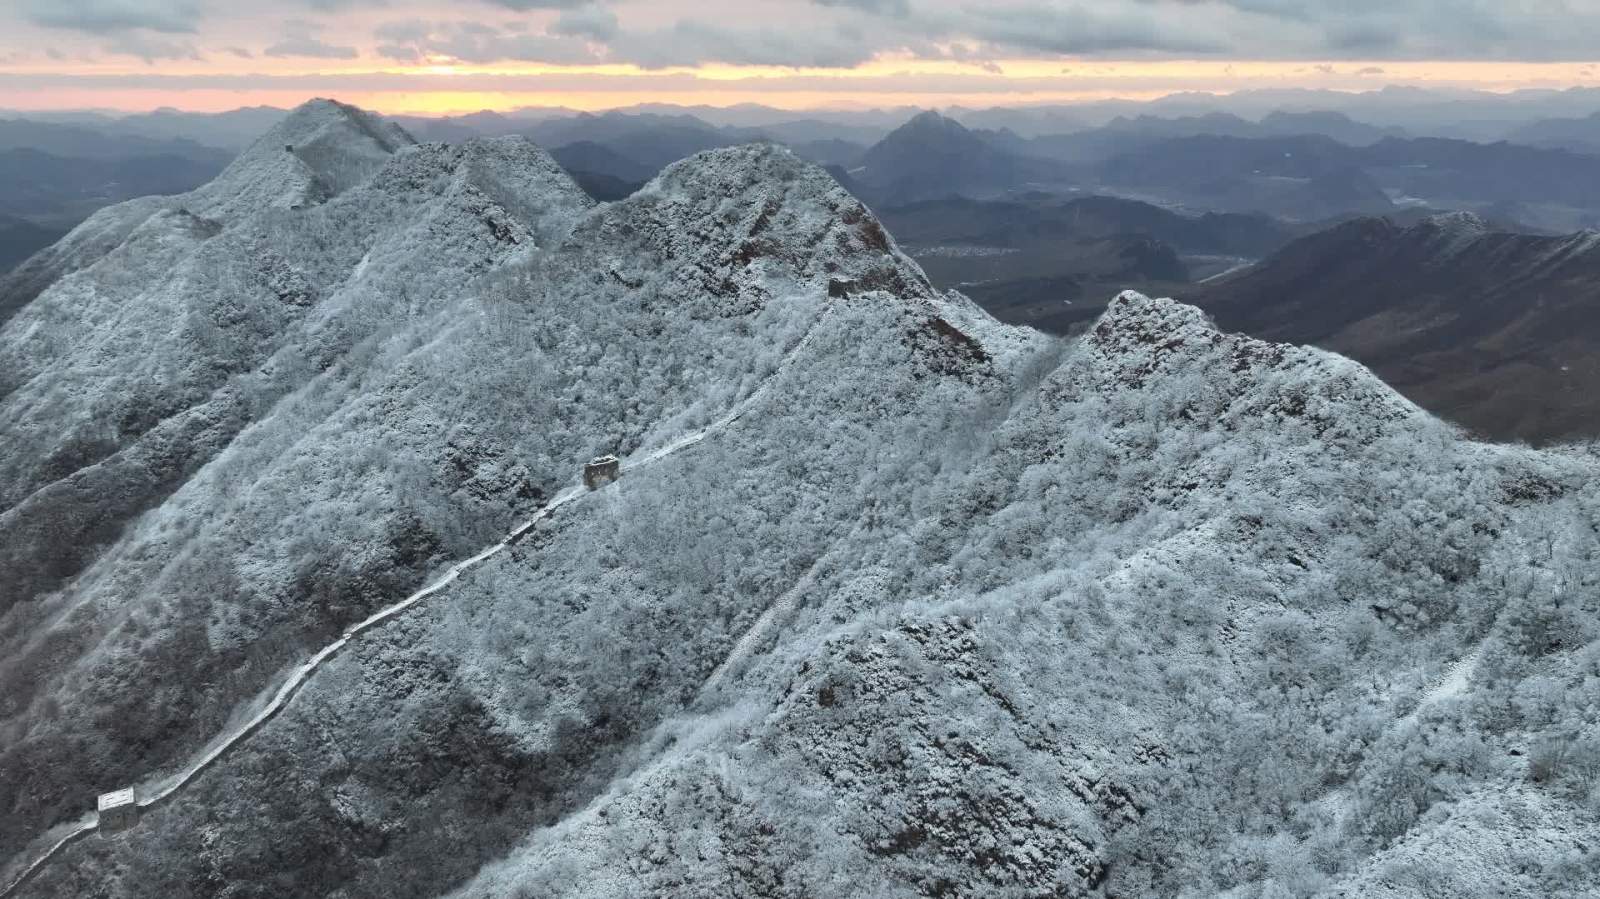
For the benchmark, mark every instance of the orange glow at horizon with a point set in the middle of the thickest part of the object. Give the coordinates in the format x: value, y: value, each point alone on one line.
x: 445, y: 86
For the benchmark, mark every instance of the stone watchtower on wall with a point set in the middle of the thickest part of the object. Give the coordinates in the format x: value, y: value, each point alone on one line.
x: 602, y: 471
x: 117, y: 811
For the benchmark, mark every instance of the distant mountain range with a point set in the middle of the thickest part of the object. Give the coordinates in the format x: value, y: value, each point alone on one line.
x: 1497, y: 331
x: 1046, y: 217
x: 933, y: 156
x: 1123, y: 135
x: 228, y: 131
x: 46, y: 187
x: 21, y: 238
x: 1581, y: 135
x: 1303, y: 165
x: 84, y: 142
x: 1305, y: 177
x: 1052, y: 262
x: 53, y: 175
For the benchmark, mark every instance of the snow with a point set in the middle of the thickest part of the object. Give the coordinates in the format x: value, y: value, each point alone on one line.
x: 889, y: 595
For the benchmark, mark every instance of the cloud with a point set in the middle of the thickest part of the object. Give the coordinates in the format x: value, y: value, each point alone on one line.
x: 808, y: 33
x: 310, y: 48
x: 1533, y: 30
x: 476, y: 42
x: 532, y: 5
x: 115, y: 16
x: 876, y: 7
x: 150, y: 49
x: 1370, y: 70
x: 300, y: 40
x: 1074, y: 29
x: 691, y: 42
x: 1528, y: 30
x: 591, y: 22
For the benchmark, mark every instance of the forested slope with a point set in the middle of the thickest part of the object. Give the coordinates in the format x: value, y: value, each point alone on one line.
x: 935, y: 606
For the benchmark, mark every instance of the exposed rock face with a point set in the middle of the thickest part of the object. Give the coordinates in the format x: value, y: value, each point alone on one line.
x: 890, y: 600
x: 1493, y: 330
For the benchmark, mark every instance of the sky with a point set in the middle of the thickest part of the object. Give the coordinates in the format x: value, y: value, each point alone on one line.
x: 438, y: 56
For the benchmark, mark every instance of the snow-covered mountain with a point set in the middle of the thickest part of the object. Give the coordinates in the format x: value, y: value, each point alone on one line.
x: 890, y: 599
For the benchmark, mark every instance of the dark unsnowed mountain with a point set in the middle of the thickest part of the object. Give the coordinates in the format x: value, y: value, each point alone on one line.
x: 1304, y: 178
x: 1314, y: 177
x: 650, y: 141
x: 1125, y: 134
x: 105, y: 142
x: 1453, y: 173
x: 20, y: 238
x: 1335, y: 125
x: 599, y: 159
x: 462, y: 128
x: 932, y: 156
x: 232, y: 131
x: 1580, y: 134
x: 1053, y: 263
x: 43, y: 186
x: 1033, y: 217
x: 890, y: 599
x: 1498, y: 331
x: 828, y: 152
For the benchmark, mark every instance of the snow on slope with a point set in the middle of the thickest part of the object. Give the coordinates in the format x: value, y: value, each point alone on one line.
x: 314, y: 154
x: 935, y: 607
x: 403, y: 418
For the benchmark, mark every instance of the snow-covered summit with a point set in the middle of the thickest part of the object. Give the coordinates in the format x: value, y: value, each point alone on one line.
x: 318, y: 151
x: 761, y: 208
x: 1452, y: 232
x: 1139, y: 339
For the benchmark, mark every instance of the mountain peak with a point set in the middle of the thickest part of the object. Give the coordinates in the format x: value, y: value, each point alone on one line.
x: 932, y: 122
x: 319, y: 150
x: 1457, y: 223
x: 1451, y: 232
x: 1140, y: 341
x: 1134, y: 324
x: 769, y: 204
x: 735, y: 170
x: 934, y: 156
x: 321, y: 119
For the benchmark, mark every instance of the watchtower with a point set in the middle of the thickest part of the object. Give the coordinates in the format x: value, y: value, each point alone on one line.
x: 117, y: 810
x: 602, y: 471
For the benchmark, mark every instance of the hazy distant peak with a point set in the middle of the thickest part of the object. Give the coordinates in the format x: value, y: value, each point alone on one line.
x: 931, y: 124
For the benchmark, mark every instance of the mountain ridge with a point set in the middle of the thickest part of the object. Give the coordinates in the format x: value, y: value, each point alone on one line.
x: 893, y: 599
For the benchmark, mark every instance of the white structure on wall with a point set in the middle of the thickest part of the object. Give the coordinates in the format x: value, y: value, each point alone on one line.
x: 118, y: 810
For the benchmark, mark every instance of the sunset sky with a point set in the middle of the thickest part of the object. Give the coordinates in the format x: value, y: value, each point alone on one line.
x: 433, y: 56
